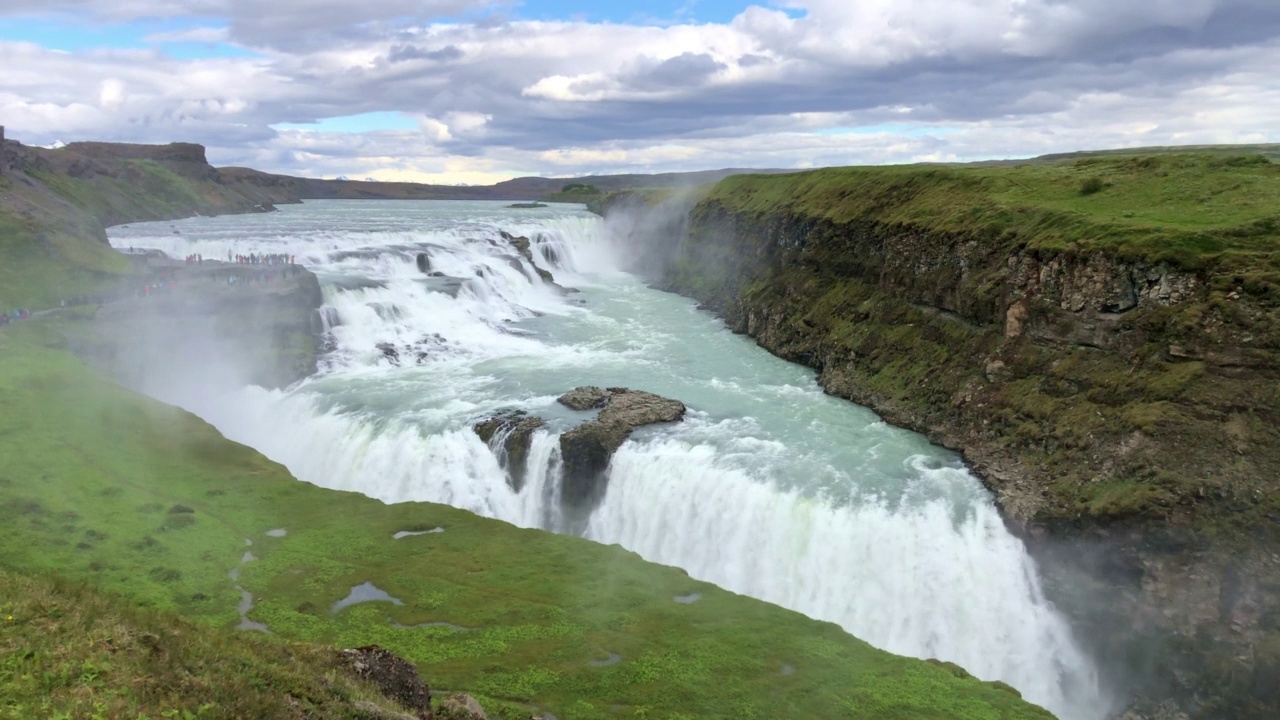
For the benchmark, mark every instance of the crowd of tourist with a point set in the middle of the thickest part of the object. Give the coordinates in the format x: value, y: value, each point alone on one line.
x: 16, y: 315
x: 262, y: 258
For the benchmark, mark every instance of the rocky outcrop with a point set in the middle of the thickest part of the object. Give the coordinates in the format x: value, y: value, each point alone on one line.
x: 1122, y: 408
x: 395, y: 677
x: 585, y: 398
x: 422, y: 351
x: 587, y: 449
x: 509, y: 434
x: 121, y: 183
x: 522, y: 246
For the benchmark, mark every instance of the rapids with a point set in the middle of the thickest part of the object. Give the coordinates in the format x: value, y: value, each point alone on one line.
x: 769, y: 488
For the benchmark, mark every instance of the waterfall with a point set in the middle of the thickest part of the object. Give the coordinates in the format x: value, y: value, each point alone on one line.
x: 769, y: 488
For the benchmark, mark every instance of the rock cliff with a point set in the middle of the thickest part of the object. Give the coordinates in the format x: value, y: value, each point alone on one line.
x: 1117, y: 392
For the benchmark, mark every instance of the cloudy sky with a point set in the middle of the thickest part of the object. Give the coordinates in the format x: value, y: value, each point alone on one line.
x: 481, y: 90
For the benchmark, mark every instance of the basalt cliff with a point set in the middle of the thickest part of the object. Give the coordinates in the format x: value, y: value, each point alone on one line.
x: 1099, y: 338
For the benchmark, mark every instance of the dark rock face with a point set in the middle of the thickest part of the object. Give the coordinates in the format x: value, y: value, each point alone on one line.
x: 424, y: 262
x: 522, y: 246
x: 514, y: 431
x: 394, y: 677
x: 587, y: 449
x: 263, y: 332
x: 390, y: 352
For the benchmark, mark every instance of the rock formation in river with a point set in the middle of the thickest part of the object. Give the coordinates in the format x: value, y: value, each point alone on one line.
x: 521, y: 244
x: 587, y: 449
x: 514, y: 429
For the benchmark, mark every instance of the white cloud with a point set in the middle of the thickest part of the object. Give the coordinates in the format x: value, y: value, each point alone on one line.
x: 579, y: 88
x: 1001, y: 77
x: 198, y: 34
x: 111, y: 94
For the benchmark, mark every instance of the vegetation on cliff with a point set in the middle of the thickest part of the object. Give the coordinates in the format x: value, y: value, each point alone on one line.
x: 1209, y: 223
x: 1192, y: 211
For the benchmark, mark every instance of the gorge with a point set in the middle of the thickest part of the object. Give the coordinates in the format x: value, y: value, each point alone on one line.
x: 435, y: 316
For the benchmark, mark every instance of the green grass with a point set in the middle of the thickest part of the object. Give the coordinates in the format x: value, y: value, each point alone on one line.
x: 91, y: 476
x: 1185, y: 209
x: 68, y: 651
x: 142, y: 190
x: 52, y: 242
x: 41, y: 265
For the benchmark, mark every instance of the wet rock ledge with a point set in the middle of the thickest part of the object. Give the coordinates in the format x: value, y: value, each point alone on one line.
x: 586, y: 449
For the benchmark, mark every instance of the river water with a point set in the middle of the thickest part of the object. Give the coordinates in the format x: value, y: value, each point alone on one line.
x: 769, y: 488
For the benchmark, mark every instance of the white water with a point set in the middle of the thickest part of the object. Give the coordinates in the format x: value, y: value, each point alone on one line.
x: 769, y: 488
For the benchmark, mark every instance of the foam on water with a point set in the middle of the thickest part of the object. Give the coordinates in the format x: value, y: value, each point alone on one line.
x: 769, y: 488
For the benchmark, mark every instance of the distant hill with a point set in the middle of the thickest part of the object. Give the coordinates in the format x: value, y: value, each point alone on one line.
x: 1270, y: 150
x: 525, y: 188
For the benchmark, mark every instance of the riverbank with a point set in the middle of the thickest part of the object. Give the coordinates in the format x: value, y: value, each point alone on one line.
x: 1100, y: 337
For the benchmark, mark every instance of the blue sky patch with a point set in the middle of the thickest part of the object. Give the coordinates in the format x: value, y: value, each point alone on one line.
x: 364, y: 122
x: 71, y: 35
x: 646, y: 13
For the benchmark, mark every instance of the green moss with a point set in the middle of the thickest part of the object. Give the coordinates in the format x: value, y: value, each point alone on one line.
x: 40, y: 265
x: 69, y: 651
x: 1108, y: 498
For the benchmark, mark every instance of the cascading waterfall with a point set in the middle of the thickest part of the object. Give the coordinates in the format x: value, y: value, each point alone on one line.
x: 769, y: 488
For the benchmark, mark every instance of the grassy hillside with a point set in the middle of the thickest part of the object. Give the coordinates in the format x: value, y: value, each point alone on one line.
x: 70, y: 651
x: 50, y: 250
x: 150, y: 503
